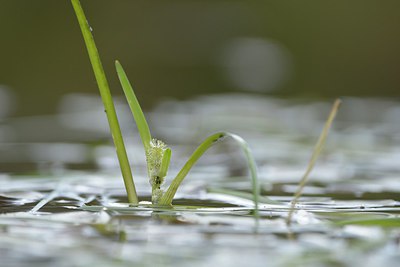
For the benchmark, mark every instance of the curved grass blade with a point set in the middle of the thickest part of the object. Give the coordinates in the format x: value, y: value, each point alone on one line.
x: 201, y: 149
x: 107, y: 101
x: 137, y: 112
x: 317, y: 150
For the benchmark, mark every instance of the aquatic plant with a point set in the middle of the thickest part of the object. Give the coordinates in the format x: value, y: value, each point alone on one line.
x: 156, y: 151
x: 158, y: 154
x: 314, y: 156
x: 107, y: 102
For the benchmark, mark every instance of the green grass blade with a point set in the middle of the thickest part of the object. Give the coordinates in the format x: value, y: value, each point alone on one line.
x: 165, y: 162
x: 137, y: 112
x: 207, y: 143
x: 317, y: 150
x: 253, y: 171
x: 201, y: 149
x: 107, y: 101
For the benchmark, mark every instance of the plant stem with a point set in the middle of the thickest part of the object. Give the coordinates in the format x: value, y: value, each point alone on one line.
x: 316, y: 152
x: 107, y: 101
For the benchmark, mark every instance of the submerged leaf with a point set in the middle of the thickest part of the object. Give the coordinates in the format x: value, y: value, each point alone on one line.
x: 384, y: 222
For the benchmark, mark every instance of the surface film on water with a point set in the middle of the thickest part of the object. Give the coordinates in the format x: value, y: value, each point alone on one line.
x: 62, y: 200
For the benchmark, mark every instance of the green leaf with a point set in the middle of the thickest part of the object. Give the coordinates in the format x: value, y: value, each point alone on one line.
x: 107, y: 101
x: 137, y: 112
x: 165, y: 162
x: 201, y: 149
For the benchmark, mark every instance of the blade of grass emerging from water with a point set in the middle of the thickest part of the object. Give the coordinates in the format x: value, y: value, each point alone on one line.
x: 317, y: 150
x: 137, y: 112
x: 201, y: 149
x: 107, y: 101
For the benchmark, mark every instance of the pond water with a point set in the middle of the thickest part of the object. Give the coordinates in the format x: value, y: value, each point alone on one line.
x: 62, y: 201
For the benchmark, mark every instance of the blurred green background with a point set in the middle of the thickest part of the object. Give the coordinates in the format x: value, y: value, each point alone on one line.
x: 177, y: 49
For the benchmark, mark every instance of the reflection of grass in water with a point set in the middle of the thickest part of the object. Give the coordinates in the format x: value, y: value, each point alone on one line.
x: 157, y: 153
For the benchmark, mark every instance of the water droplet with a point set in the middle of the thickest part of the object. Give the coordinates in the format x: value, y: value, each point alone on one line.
x: 90, y: 27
